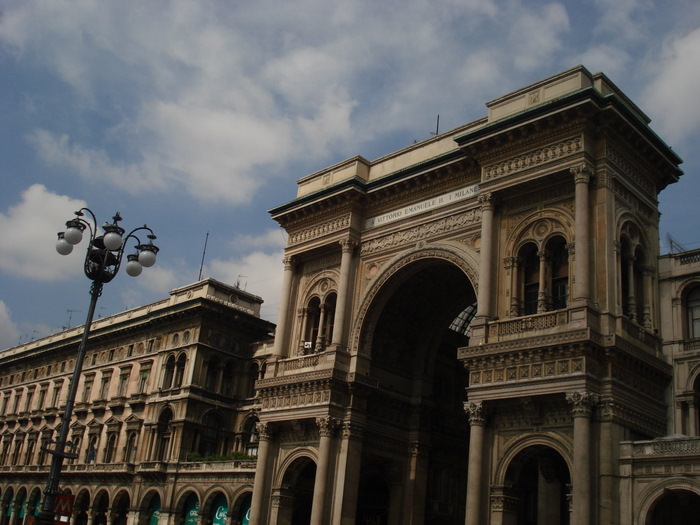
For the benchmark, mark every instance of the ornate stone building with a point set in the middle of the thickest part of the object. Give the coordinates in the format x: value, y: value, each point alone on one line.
x: 475, y: 329
x: 165, y: 389
x: 470, y: 328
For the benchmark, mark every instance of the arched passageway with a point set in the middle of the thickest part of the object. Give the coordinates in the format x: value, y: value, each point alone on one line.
x: 412, y: 331
x: 297, y: 493
x: 677, y: 507
x: 120, y: 508
x: 539, y: 486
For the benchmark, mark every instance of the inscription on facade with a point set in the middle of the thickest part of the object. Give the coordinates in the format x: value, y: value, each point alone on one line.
x: 423, y: 206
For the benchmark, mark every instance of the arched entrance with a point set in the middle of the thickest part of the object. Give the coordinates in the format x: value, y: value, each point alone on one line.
x: 297, y: 493
x: 679, y: 507
x: 539, y: 485
x: 120, y: 508
x: 150, y: 509
x: 80, y: 507
x: 411, y: 333
x: 241, y: 510
x: 99, y: 508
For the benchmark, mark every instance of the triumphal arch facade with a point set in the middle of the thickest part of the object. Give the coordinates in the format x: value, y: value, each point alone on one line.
x: 469, y: 326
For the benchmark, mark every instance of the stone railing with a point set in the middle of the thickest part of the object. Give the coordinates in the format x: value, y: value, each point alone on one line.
x: 692, y: 344
x: 681, y: 446
x: 299, y: 363
x: 531, y: 323
x: 218, y: 466
x: 99, y: 467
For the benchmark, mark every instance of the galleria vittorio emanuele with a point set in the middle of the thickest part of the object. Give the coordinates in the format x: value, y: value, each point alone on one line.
x: 476, y: 329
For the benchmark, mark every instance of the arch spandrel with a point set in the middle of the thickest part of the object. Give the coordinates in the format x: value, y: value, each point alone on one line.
x: 539, y: 226
x: 466, y: 261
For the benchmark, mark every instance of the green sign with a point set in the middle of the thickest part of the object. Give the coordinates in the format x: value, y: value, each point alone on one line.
x: 154, y: 511
x: 192, y: 511
x: 220, y: 510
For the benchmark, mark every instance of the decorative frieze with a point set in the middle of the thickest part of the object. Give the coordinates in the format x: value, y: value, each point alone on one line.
x: 421, y: 232
x: 534, y: 158
x: 319, y: 230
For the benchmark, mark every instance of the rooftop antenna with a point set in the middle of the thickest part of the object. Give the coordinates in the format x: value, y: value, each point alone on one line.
x: 673, y: 245
x: 437, y: 126
x: 70, y: 316
x: 204, y: 251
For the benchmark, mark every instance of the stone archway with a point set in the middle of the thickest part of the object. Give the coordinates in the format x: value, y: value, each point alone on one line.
x: 296, y: 493
x: 538, y: 485
x: 411, y: 333
x: 679, y: 507
x: 120, y: 508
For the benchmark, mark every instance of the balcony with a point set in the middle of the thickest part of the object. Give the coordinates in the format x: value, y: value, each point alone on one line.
x: 671, y: 456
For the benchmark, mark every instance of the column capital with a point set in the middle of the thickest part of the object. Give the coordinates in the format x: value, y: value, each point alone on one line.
x: 487, y: 200
x: 289, y: 262
x: 265, y: 430
x: 581, y: 402
x: 510, y: 262
x: 476, y: 411
x: 351, y: 429
x: 581, y: 173
x: 347, y: 245
x: 326, y: 426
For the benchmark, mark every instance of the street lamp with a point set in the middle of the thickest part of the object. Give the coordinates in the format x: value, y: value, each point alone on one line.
x: 102, y: 261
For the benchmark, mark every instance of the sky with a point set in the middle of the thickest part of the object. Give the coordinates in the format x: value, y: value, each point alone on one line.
x: 197, y: 117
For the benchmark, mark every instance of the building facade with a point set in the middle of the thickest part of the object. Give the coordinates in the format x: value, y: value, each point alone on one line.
x: 471, y: 328
x: 163, y: 429
x: 478, y: 328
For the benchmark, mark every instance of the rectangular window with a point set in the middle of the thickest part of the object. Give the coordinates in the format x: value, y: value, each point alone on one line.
x: 87, y: 388
x: 123, y: 383
x: 5, y: 400
x: 42, y: 397
x: 15, y: 407
x: 104, y: 386
x: 28, y: 400
x: 56, y: 394
x: 143, y: 380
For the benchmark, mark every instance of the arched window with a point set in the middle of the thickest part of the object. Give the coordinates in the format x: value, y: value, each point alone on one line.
x: 176, y: 340
x: 162, y: 449
x: 180, y: 370
x: 311, y: 324
x: 130, y: 450
x: 110, y: 448
x: 635, y: 277
x: 559, y: 261
x: 692, y: 309
x: 328, y: 319
x: 169, y: 372
x: 212, y: 375
x: 530, y: 278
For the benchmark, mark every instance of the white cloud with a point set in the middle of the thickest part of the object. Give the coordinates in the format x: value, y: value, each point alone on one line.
x: 672, y: 95
x: 537, y: 35
x: 27, y: 245
x: 9, y: 333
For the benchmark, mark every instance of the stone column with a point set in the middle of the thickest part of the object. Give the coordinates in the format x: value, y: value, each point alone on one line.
x: 486, y: 256
x: 303, y: 320
x: 260, y: 489
x: 581, y: 406
x: 319, y: 344
x: 542, y: 290
x: 416, y: 486
x: 477, y: 422
x: 338, y: 336
x: 326, y: 427
x: 631, y: 299
x: 280, y: 349
x: 648, y: 296
x: 692, y: 418
x: 582, y: 178
x: 348, y: 474
x: 512, y: 267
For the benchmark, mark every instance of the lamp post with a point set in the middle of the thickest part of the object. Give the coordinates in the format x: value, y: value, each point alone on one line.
x: 102, y: 261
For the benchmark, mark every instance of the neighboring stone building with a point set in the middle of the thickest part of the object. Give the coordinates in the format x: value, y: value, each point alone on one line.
x: 163, y: 386
x: 475, y: 329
